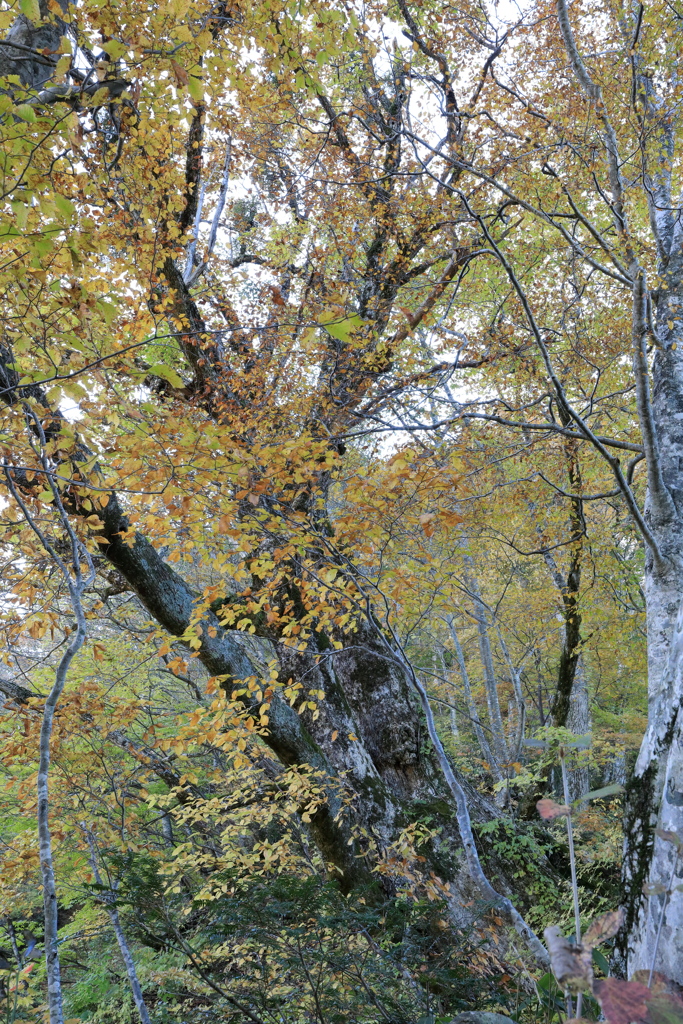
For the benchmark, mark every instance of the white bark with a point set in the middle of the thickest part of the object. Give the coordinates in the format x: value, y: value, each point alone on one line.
x: 655, y: 794
x: 519, y: 702
x: 579, y: 721
x: 659, y: 775
x: 108, y: 900
x: 76, y: 583
x: 466, y: 835
x: 471, y: 706
x: 499, y: 743
x: 50, y: 906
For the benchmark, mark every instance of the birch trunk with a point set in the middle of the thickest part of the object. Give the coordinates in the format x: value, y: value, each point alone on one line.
x: 76, y: 584
x: 499, y: 743
x: 108, y: 899
x: 471, y: 705
x: 655, y: 793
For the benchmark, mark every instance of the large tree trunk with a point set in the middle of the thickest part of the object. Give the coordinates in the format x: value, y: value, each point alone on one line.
x: 655, y: 792
x: 653, y: 934
x: 379, y: 751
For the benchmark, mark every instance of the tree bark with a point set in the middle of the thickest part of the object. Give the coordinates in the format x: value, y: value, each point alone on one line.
x: 655, y: 792
x: 499, y: 742
x: 108, y: 900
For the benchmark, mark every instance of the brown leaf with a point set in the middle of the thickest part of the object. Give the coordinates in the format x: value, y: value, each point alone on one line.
x: 180, y: 74
x: 660, y: 983
x: 665, y: 1003
x: 548, y: 809
x: 622, y: 1002
x: 603, y: 928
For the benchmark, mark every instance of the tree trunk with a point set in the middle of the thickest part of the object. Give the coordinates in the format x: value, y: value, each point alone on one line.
x: 108, y: 900
x: 498, y: 739
x: 579, y: 721
x: 655, y: 792
x: 653, y: 933
x: 471, y: 705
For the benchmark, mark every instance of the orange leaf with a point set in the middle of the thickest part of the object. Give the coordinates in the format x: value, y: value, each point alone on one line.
x: 548, y: 809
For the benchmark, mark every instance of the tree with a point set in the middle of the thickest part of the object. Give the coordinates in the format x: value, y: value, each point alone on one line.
x: 205, y: 364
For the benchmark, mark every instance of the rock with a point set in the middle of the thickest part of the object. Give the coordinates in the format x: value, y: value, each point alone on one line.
x: 480, y: 1017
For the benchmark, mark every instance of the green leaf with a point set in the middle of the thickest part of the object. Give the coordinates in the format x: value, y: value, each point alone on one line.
x: 115, y: 48
x: 31, y: 8
x: 74, y: 391
x: 600, y: 961
x: 599, y: 794
x: 107, y: 309
x: 65, y: 207
x: 169, y: 374
x: 342, y: 330
x: 195, y: 89
x: 25, y: 112
x: 100, y: 97
x: 20, y: 214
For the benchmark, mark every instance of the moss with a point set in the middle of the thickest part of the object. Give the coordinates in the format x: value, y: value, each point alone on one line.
x: 427, y: 810
x: 639, y: 828
x: 322, y: 641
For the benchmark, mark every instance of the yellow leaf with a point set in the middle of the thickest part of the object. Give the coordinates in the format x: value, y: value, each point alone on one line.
x: 63, y: 65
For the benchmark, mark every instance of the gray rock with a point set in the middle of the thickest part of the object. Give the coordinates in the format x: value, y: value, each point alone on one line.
x: 480, y: 1017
